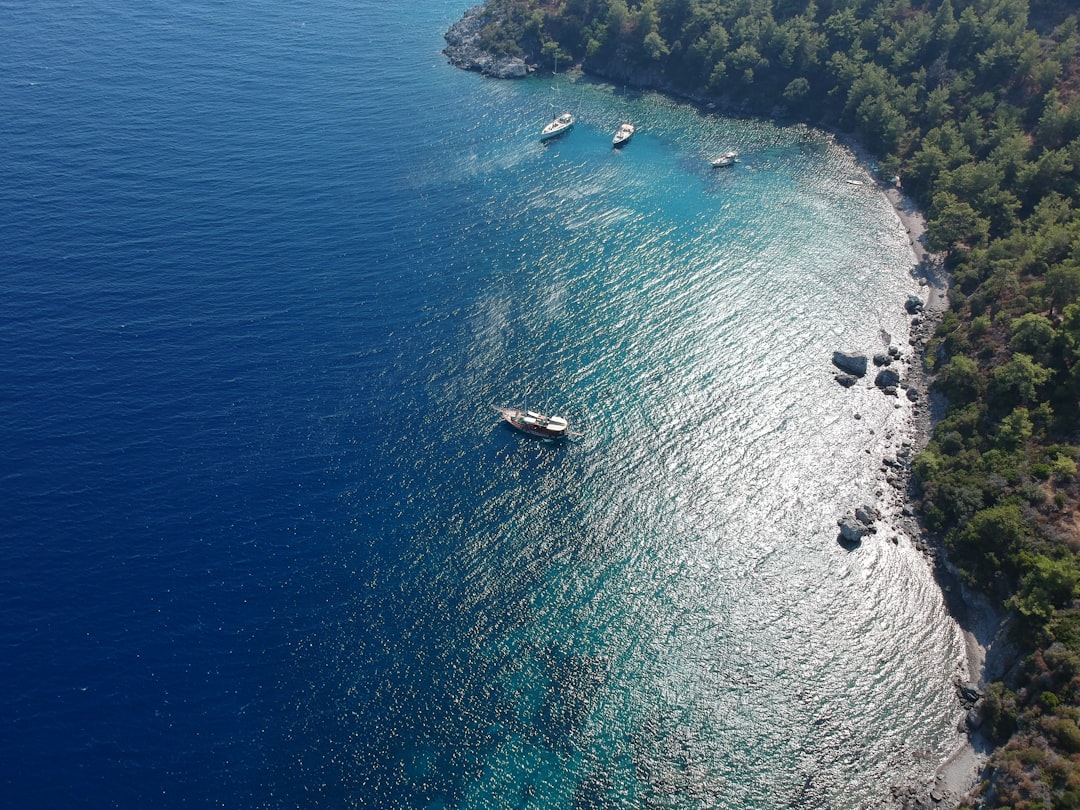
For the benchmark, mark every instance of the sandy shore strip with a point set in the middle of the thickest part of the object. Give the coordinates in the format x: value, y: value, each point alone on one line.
x: 960, y: 772
x: 987, y: 652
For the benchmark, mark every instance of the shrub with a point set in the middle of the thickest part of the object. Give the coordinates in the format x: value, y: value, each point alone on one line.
x: 1065, y: 733
x: 1047, y: 584
x: 1063, y: 468
x: 1000, y: 711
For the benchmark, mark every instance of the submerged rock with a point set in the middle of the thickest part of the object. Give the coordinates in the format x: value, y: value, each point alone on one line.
x: 847, y: 380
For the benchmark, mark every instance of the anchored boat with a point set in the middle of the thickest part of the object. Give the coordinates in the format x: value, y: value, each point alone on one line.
x: 725, y: 160
x: 535, y: 424
x: 622, y: 135
x: 563, y: 123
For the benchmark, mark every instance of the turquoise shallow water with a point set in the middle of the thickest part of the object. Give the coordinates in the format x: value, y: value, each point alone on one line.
x: 267, y: 269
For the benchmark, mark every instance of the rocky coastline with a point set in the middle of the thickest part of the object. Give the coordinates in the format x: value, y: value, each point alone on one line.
x: 900, y: 372
x: 464, y: 49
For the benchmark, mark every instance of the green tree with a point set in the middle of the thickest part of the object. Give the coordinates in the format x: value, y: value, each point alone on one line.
x: 1017, y: 382
x: 989, y: 538
x: 797, y: 90
x: 954, y: 223
x: 654, y: 46
x: 1063, y: 285
x: 1032, y: 334
x: 1047, y: 584
x: 1015, y: 429
x: 959, y: 379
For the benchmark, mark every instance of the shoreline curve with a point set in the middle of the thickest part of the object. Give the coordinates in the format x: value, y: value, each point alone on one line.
x: 987, y: 653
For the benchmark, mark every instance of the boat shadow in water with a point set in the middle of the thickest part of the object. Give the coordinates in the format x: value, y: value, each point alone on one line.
x: 528, y: 456
x: 511, y: 439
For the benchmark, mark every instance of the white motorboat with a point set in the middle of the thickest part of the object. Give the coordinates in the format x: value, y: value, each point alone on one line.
x: 622, y: 135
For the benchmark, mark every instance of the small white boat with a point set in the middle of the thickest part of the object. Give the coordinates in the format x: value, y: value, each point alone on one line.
x: 725, y: 160
x: 563, y: 123
x: 622, y: 135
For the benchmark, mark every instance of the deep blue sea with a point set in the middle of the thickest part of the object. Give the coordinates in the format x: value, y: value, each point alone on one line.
x: 267, y: 266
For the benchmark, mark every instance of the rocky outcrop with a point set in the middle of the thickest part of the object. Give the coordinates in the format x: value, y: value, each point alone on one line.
x: 853, y: 528
x: 464, y: 51
x: 854, y: 364
x: 914, y: 305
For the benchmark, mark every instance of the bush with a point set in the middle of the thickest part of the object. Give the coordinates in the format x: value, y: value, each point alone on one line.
x: 1000, y: 711
x: 1064, y: 732
x: 1047, y: 584
x: 1063, y: 468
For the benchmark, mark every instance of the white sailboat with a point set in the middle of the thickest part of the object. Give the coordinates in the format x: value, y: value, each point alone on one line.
x: 562, y: 123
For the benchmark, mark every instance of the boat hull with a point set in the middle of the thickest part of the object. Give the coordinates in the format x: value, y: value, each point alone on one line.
x: 564, y: 123
x: 625, y: 133
x: 555, y: 133
x: 534, y: 424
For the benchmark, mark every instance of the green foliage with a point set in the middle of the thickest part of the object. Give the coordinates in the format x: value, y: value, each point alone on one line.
x: 979, y: 325
x: 797, y: 90
x: 1047, y: 584
x: 1000, y: 710
x: 1063, y: 468
x: 960, y: 380
x: 1065, y: 630
x: 954, y: 223
x: 1066, y: 734
x: 985, y: 544
x: 1032, y: 334
x: 1018, y: 381
x: 1015, y: 429
x: 1063, y: 284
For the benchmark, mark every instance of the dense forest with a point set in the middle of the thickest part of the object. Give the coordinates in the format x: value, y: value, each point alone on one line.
x: 975, y: 104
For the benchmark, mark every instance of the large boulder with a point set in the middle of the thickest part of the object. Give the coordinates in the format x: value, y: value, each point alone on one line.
x: 866, y: 515
x: 853, y: 528
x: 969, y: 693
x: 976, y: 716
x: 913, y: 305
x: 851, y: 363
x: 887, y: 378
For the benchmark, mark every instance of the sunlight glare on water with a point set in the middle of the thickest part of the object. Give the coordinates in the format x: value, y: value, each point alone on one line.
x: 268, y: 268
